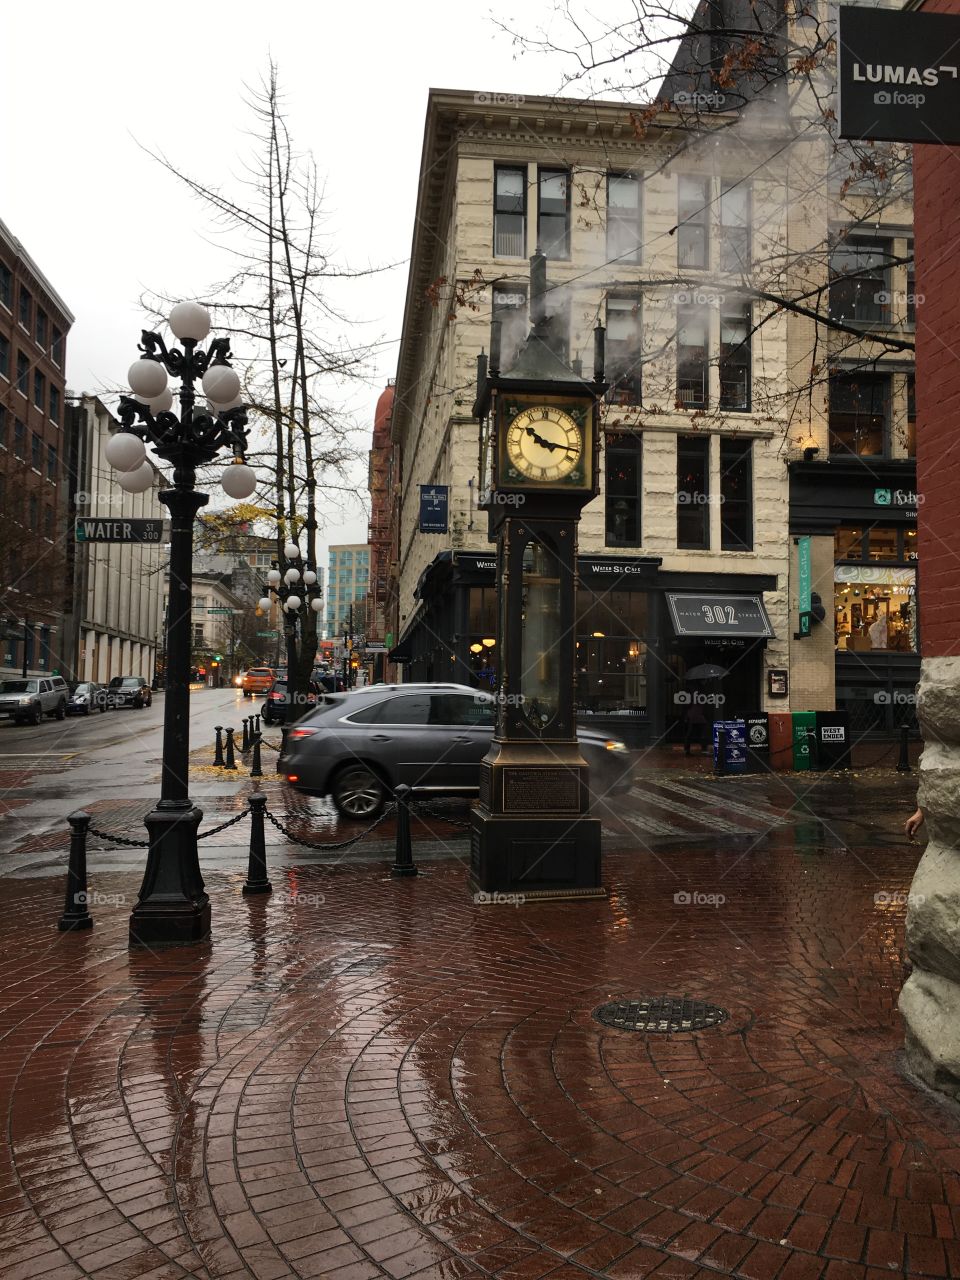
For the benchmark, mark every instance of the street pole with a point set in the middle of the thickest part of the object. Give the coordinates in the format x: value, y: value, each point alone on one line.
x: 173, y: 906
x: 26, y: 637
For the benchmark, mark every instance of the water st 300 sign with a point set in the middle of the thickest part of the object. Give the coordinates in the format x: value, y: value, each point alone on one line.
x: 898, y: 75
x: 101, y: 529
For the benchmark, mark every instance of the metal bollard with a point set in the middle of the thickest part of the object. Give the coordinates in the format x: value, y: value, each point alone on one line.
x: 230, y: 762
x: 75, y: 913
x: 257, y: 770
x: 403, y: 861
x: 245, y: 744
x: 218, y: 753
x: 257, y: 881
x: 256, y: 724
x: 720, y: 764
x: 903, y: 764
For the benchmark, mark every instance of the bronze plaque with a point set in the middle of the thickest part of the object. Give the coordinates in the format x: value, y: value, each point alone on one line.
x: 541, y: 790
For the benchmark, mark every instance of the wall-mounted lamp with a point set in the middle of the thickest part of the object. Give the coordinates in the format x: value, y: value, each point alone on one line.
x: 810, y: 452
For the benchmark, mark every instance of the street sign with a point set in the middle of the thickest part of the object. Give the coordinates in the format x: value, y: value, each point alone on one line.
x: 898, y: 75
x: 96, y: 529
x: 217, y: 609
x: 267, y: 635
x: 434, y: 502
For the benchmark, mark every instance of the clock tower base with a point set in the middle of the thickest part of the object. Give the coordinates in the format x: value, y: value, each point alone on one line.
x: 534, y: 857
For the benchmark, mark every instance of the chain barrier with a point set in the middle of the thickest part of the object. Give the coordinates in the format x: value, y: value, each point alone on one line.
x: 326, y: 846
x: 238, y: 817
x: 417, y: 807
x: 265, y: 743
x: 105, y: 835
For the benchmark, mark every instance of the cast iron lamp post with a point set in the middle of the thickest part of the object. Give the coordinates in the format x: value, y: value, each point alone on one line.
x: 172, y: 905
x: 296, y: 587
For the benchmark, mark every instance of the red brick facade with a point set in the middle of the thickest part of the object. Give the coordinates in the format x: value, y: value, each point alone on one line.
x: 937, y: 228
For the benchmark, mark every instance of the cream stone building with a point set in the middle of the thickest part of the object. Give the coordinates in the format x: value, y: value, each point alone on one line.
x: 679, y: 242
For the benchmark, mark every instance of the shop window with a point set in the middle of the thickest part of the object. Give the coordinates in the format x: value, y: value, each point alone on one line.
x: 859, y: 287
x: 859, y: 404
x: 693, y: 203
x: 875, y: 609
x: 611, y: 652
x: 735, y: 226
x: 510, y: 310
x: 510, y: 213
x: 848, y: 543
x: 692, y: 355
x: 553, y: 213
x: 623, y: 350
x: 693, y: 492
x: 624, y: 228
x: 623, y: 489
x: 736, y: 495
x: 736, y: 324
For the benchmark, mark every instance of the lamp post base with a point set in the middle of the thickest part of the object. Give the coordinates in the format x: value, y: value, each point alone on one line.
x: 533, y: 857
x: 172, y: 907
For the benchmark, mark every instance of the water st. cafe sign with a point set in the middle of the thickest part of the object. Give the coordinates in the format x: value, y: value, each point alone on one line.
x: 898, y: 75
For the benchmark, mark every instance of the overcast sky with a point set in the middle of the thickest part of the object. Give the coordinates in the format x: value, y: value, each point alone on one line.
x: 87, y: 85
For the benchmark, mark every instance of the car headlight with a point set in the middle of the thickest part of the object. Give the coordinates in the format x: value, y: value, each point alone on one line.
x: 80, y: 701
x: 614, y: 744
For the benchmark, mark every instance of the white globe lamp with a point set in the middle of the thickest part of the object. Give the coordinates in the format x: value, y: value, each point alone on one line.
x: 263, y: 604
x: 189, y: 320
x: 239, y: 480
x: 309, y: 577
x: 125, y: 452
x: 291, y: 576
x: 316, y: 605
x: 291, y: 551
x: 293, y: 604
x: 273, y: 577
x: 147, y: 378
x: 221, y: 384
x: 138, y: 481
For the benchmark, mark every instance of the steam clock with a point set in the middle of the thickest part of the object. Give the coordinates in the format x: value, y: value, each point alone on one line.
x: 531, y: 832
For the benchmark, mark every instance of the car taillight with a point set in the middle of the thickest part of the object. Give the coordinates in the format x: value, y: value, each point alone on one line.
x: 302, y: 733
x: 293, y: 777
x: 276, y: 697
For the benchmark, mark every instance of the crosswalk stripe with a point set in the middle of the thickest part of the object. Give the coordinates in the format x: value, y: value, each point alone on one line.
x: 752, y: 811
x: 653, y: 826
x: 710, y: 821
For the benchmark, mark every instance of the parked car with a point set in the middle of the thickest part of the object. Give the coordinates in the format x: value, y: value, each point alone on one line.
x: 277, y: 708
x: 86, y: 697
x: 358, y: 746
x: 257, y: 680
x: 129, y: 691
x: 28, y: 701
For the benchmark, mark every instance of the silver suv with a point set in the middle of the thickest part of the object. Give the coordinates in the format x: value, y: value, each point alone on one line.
x: 357, y: 747
x: 28, y: 701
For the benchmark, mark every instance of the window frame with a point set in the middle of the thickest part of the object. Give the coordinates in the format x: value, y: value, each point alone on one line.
x: 622, y: 444
x: 883, y: 379
x: 702, y: 498
x: 686, y: 316
x: 741, y: 311
x: 552, y: 171
x: 636, y: 256
x: 24, y: 307
x: 729, y: 541
x: 522, y: 171
x: 856, y: 245
x: 23, y: 374
x: 6, y: 287
x: 725, y: 229
x: 624, y: 388
x: 700, y: 219
x: 39, y: 391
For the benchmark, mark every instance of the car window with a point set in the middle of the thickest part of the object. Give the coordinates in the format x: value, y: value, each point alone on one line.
x: 18, y: 686
x: 408, y: 708
x: 365, y: 715
x: 461, y: 709
x: 131, y: 682
x: 45, y: 686
x: 116, y: 682
x: 83, y: 688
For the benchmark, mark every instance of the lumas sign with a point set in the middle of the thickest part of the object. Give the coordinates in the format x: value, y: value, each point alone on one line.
x: 898, y: 75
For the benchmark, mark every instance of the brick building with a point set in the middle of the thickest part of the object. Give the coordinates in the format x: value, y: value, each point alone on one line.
x: 34, y: 587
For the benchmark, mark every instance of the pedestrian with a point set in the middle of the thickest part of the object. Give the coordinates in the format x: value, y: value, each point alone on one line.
x: 695, y: 726
x: 914, y: 822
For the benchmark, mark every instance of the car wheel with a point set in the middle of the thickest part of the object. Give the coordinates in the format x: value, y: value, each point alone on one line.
x: 61, y: 712
x: 36, y: 715
x: 358, y: 792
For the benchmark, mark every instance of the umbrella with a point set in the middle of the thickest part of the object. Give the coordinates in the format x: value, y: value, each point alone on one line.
x: 706, y: 671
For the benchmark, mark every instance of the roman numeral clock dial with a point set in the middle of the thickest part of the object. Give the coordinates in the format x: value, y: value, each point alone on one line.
x: 544, y: 445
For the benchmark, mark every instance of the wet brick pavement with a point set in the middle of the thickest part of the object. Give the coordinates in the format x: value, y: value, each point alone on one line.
x: 360, y: 1077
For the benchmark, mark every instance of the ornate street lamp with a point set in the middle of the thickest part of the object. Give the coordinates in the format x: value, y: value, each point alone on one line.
x: 172, y: 905
x: 295, y: 586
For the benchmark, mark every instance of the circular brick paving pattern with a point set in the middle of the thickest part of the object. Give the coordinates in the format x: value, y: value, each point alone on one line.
x: 360, y: 1077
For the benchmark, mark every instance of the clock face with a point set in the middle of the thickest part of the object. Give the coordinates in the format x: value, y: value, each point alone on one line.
x: 545, y: 445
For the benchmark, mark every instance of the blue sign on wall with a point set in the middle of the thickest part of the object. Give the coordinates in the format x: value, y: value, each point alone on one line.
x: 433, y: 508
x: 735, y: 754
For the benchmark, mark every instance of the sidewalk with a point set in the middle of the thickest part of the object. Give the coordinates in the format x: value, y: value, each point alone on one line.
x: 362, y: 1077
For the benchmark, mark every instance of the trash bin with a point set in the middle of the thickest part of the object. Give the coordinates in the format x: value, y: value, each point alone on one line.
x: 758, y: 742
x: 804, y: 728
x: 735, y: 746
x: 780, y: 730
x: 833, y: 739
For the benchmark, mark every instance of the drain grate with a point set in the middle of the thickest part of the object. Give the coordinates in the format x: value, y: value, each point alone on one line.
x: 660, y: 1014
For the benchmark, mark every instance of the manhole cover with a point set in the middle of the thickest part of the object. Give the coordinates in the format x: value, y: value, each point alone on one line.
x: 660, y: 1013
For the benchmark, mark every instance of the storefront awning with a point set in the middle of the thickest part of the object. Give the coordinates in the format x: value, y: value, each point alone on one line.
x: 724, y: 616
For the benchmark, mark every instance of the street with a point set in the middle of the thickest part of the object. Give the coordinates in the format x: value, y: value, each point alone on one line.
x: 359, y: 1076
